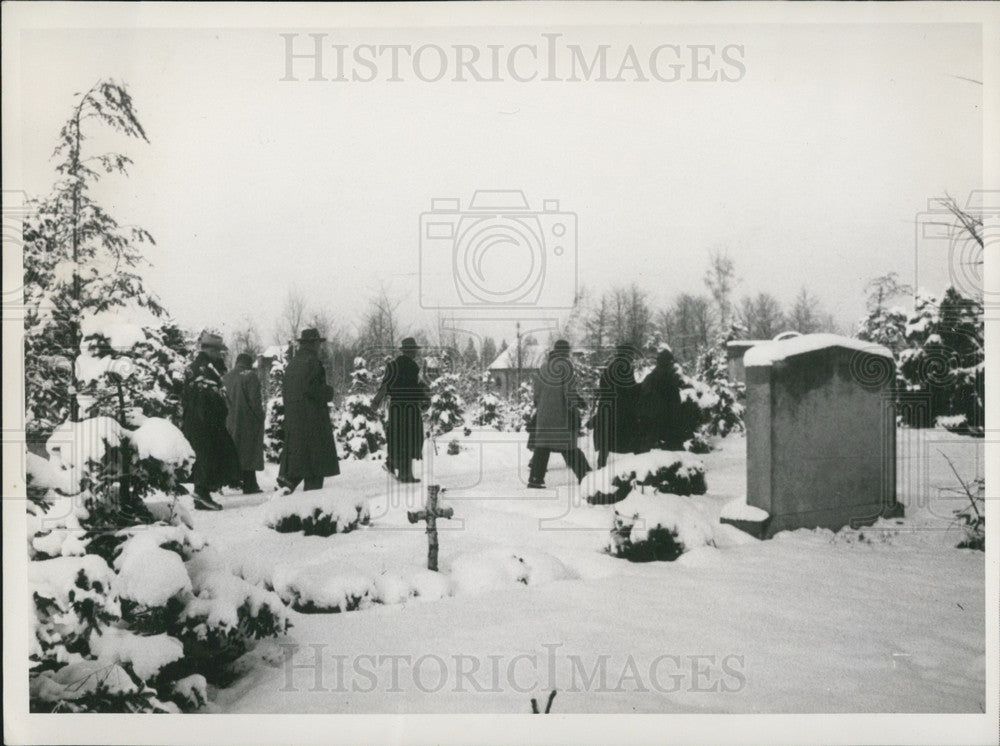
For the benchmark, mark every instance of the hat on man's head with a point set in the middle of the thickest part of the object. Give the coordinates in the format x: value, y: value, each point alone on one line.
x: 561, y: 345
x: 245, y: 358
x: 409, y: 345
x: 211, y: 339
x: 310, y: 335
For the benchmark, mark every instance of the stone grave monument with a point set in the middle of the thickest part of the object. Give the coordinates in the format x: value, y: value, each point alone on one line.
x: 821, y: 432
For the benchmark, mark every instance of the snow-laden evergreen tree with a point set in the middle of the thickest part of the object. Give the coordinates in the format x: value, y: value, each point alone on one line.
x: 359, y: 428
x: 722, y: 412
x: 274, y: 414
x: 944, y: 362
x: 96, y: 341
x: 524, y: 407
x: 133, y: 612
x: 447, y: 409
x: 491, y: 410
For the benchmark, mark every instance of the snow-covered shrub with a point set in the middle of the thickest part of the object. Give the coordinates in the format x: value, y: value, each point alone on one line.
x: 524, y: 408
x: 322, y: 589
x: 123, y: 607
x: 447, y: 408
x: 657, y: 527
x: 492, y: 411
x: 673, y: 472
x: 359, y: 428
x: 453, y: 447
x: 274, y: 414
x: 476, y: 572
x: 317, y: 513
x: 720, y: 402
x: 944, y: 361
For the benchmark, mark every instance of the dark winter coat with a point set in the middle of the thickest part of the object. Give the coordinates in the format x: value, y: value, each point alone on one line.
x: 204, y: 425
x: 309, y: 450
x: 660, y: 412
x: 408, y: 399
x: 557, y: 405
x: 616, y: 425
x: 245, y: 421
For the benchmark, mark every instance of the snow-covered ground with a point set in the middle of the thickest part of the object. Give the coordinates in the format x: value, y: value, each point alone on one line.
x: 883, y: 619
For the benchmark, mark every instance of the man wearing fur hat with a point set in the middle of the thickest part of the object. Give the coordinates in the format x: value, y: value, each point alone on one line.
x: 204, y: 422
x: 408, y: 399
x: 310, y: 453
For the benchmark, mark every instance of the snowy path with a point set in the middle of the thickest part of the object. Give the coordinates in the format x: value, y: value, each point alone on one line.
x: 887, y: 619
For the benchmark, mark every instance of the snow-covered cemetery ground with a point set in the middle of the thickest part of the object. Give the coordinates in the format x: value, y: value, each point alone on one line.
x: 887, y: 618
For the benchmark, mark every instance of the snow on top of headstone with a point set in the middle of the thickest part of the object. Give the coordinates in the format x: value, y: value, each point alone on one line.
x: 769, y: 353
x: 160, y: 439
x: 738, y: 510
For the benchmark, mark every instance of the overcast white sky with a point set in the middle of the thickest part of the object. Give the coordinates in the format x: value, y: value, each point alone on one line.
x: 809, y: 170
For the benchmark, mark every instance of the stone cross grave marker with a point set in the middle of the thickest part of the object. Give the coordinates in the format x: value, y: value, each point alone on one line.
x: 430, y: 514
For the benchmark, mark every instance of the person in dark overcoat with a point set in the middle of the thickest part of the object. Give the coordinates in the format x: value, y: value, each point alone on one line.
x: 660, y: 414
x: 309, y: 452
x: 616, y: 418
x: 557, y: 416
x: 245, y: 421
x: 204, y: 412
x: 408, y: 399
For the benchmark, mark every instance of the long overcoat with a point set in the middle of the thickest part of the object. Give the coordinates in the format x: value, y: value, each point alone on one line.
x: 245, y: 421
x: 557, y: 406
x: 616, y: 425
x: 408, y: 399
x: 309, y: 450
x: 204, y: 425
x: 660, y: 409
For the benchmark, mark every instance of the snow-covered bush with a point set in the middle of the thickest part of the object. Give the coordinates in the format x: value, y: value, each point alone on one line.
x: 477, y: 572
x: 274, y: 414
x: 359, y: 428
x: 317, y: 513
x: 658, y: 527
x: 447, y: 408
x: 944, y: 362
x: 491, y: 412
x: 128, y: 598
x: 523, y: 410
x: 720, y: 402
x: 331, y: 588
x: 673, y: 472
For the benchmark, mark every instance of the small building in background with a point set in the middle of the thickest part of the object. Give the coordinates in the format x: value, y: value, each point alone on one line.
x: 506, y: 372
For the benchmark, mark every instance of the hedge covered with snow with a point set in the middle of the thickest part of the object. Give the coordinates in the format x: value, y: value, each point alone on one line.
x: 658, y: 527
x: 673, y: 472
x: 317, y: 513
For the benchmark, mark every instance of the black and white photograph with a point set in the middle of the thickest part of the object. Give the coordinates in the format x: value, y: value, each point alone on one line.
x: 376, y: 372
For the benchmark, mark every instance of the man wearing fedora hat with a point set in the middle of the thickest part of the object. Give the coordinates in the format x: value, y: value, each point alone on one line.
x: 408, y: 399
x: 309, y: 453
x: 204, y: 422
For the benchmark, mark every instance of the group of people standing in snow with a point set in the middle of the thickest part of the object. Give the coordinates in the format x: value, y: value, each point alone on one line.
x: 223, y: 415
x: 629, y: 417
x: 223, y: 418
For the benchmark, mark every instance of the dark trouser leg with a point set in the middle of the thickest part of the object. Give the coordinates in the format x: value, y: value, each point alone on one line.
x: 538, y: 465
x: 313, y: 483
x: 577, y: 461
x: 249, y: 478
